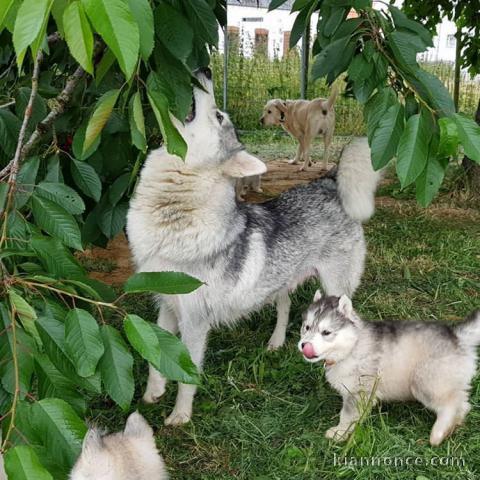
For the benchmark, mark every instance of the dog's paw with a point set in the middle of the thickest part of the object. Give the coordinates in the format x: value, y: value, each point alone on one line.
x: 293, y: 161
x: 177, y: 418
x: 302, y: 168
x: 336, y: 434
x: 154, y: 392
x: 275, y: 342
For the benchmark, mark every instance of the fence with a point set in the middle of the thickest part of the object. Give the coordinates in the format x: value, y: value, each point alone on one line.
x: 255, y: 79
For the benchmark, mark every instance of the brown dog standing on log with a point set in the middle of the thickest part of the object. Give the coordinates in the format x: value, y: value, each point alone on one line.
x: 304, y: 120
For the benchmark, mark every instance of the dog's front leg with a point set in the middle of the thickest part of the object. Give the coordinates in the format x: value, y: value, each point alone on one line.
x: 194, y: 335
x: 283, y: 310
x: 349, y: 416
x: 156, y: 381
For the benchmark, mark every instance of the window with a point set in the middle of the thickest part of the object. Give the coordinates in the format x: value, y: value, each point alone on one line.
x: 451, y: 41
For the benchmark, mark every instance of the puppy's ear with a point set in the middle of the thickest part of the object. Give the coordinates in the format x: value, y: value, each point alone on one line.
x: 281, y: 105
x: 137, y: 426
x: 92, y: 442
x: 345, y: 306
x: 317, y: 296
x: 242, y: 164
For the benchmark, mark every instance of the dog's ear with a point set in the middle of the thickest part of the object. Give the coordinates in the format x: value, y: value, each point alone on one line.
x: 317, y: 296
x: 242, y: 164
x: 137, y: 426
x: 345, y: 306
x: 281, y: 105
x: 92, y: 442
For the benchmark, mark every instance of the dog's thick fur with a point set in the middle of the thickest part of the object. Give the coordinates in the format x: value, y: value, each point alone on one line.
x: 398, y: 361
x: 184, y: 217
x: 127, y: 455
x: 304, y: 120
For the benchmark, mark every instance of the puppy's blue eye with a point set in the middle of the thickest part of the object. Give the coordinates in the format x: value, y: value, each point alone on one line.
x: 219, y: 117
x: 326, y: 333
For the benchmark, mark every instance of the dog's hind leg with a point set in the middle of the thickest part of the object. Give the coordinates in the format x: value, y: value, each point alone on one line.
x: 156, y: 381
x: 283, y: 310
x: 299, y: 154
x: 327, y: 140
x: 194, y: 336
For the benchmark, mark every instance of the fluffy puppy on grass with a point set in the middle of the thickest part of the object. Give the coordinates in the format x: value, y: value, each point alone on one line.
x: 395, y: 361
x: 127, y: 455
x: 304, y: 120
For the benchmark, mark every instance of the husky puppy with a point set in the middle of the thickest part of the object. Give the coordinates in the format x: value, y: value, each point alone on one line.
x: 398, y: 361
x: 184, y: 217
x: 127, y: 455
x: 304, y: 120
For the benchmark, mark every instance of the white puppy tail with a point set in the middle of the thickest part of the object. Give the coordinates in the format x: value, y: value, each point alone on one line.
x: 468, y: 332
x: 357, y: 181
x: 333, y: 96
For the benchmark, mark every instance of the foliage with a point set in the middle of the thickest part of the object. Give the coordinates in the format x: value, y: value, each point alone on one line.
x: 465, y: 14
x: 85, y: 86
x: 402, y: 102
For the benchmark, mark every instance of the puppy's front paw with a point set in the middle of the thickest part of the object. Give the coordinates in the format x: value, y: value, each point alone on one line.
x: 178, y: 418
x: 154, y: 392
x: 293, y: 161
x: 337, y: 434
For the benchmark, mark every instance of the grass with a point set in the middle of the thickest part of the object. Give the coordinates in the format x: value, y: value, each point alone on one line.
x: 261, y: 415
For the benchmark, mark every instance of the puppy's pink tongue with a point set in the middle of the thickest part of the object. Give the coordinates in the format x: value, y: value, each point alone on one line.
x: 308, y: 350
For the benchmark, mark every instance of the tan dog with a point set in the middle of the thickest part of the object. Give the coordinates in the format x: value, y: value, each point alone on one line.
x: 304, y: 120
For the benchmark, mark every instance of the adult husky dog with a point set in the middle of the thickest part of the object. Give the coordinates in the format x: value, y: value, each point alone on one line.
x: 184, y: 217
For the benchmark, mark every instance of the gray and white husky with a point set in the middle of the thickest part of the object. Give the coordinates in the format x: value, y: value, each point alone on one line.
x: 398, y: 361
x: 184, y: 217
x: 127, y: 455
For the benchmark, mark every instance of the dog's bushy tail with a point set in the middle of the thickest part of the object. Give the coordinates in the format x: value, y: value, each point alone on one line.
x: 357, y: 181
x: 468, y: 332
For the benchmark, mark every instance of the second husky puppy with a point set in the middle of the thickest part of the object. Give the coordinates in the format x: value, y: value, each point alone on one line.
x: 399, y: 361
x: 127, y: 455
x: 184, y: 217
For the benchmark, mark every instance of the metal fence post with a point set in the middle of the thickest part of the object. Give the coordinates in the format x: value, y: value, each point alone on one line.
x: 305, y: 59
x: 225, y: 62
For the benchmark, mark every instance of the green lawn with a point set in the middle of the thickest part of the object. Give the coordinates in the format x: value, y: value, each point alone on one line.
x: 261, y: 415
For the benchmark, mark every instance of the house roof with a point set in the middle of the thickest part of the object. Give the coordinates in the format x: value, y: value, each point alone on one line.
x: 259, y: 3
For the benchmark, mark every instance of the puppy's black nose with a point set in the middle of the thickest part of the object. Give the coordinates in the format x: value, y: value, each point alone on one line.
x: 205, y: 71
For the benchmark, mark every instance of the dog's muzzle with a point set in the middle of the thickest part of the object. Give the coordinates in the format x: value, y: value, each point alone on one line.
x: 205, y: 71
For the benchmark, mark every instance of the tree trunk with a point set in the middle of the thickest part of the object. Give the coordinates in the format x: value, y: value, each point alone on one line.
x: 472, y: 169
x: 456, y: 81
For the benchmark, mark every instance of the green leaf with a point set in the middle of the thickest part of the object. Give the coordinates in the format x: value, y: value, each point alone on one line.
x: 360, y: 69
x: 329, y: 58
x: 176, y: 145
x: 52, y: 333
x: 104, y: 66
x: 298, y: 27
x: 22, y: 463
x: 4, y: 187
x: 469, y: 135
x: 334, y: 20
x: 112, y: 219
x: 162, y: 282
x: 56, y: 221
x: 405, y: 46
x: 275, y: 4
x: 137, y: 122
x: 54, y: 170
x: 83, y: 342
x: 9, y: 130
x: 412, y: 152
x: 204, y: 22
x: 428, y: 182
x: 86, y: 179
x: 58, y: 9
x: 25, y: 313
x: 52, y: 383
x: 5, y: 7
x: 387, y: 134
x: 100, y: 116
x: 31, y: 17
x: 56, y: 258
x: 26, y: 181
x: 161, y: 348
x: 78, y: 35
x: 39, y: 109
x: 449, y: 140
x: 116, y: 368
x: 118, y: 188
x: 174, y: 31
x: 59, y: 429
x: 114, y: 21
x: 402, y: 21
x: 63, y: 195
x: 143, y: 15
x: 79, y: 140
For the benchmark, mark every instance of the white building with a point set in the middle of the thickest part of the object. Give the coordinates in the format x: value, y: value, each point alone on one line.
x: 256, y: 27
